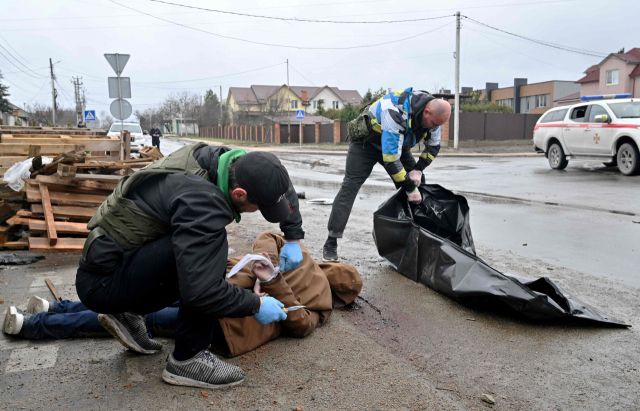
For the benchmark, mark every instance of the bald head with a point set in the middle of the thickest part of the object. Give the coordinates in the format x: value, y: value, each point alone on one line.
x: 436, y: 113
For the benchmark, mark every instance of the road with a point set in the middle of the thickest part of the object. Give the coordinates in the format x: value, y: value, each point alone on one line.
x: 401, y: 346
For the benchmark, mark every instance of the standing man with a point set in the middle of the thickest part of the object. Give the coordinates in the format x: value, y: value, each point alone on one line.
x: 384, y: 133
x: 155, y: 136
x: 81, y: 125
x: 160, y: 237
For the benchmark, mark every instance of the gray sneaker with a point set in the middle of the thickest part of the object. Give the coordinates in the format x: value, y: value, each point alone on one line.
x: 204, y: 370
x: 131, y: 331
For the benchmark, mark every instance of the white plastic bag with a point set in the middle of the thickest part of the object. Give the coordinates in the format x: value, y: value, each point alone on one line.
x: 18, y: 171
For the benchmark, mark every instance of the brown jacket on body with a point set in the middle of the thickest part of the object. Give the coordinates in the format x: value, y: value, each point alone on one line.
x: 310, y: 285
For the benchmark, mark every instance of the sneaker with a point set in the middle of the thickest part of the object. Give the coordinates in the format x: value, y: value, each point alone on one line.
x: 131, y: 331
x: 330, y: 251
x: 13, y: 320
x: 37, y: 305
x: 204, y: 370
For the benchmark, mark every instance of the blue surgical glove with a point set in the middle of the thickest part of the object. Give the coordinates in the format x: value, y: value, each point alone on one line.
x: 290, y: 256
x: 270, y: 311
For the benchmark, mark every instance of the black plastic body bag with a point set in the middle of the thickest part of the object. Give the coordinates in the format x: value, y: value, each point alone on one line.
x: 431, y: 243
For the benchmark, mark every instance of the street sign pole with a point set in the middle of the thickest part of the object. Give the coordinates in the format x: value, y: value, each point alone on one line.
x: 122, y: 142
x: 301, y: 133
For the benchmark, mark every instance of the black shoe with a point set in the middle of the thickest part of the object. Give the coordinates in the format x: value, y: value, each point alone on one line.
x: 330, y: 251
x: 204, y: 370
x: 131, y: 331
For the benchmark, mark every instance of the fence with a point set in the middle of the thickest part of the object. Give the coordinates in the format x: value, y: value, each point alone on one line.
x: 494, y: 126
x: 473, y: 127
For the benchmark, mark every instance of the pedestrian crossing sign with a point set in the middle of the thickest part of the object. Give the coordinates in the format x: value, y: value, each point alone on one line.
x: 90, y: 115
x: 300, y: 114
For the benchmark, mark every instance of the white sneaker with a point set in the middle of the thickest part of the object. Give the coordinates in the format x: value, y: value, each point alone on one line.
x: 37, y: 305
x: 13, y: 321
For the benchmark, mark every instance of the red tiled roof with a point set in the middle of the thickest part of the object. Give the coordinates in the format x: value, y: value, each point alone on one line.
x: 635, y: 72
x: 592, y: 76
x: 590, y: 69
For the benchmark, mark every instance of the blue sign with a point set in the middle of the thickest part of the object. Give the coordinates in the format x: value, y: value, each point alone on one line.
x: 90, y: 115
x: 299, y: 114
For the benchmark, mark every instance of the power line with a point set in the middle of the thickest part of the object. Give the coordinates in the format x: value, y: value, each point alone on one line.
x: 18, y: 67
x: 544, y: 43
x: 211, y: 78
x: 39, y: 91
x: 235, y: 13
x: 294, y: 69
x: 281, y: 45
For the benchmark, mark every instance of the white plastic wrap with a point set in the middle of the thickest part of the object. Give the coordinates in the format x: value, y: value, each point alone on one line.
x: 18, y: 171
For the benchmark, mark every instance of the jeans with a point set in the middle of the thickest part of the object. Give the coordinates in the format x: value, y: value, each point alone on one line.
x: 71, y: 319
x: 145, y: 281
x: 361, y: 159
x: 155, y: 141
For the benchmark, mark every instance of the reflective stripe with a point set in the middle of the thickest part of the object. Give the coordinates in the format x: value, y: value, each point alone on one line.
x: 423, y: 155
x: 430, y: 156
x: 400, y: 177
x: 389, y: 158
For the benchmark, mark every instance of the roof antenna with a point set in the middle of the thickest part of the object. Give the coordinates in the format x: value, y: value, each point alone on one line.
x: 621, y: 51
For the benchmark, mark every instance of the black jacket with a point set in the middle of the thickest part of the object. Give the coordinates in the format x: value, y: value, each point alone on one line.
x: 198, y: 213
x: 155, y: 133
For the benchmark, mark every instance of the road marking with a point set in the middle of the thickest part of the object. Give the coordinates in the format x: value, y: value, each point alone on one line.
x: 39, y: 286
x: 32, y: 358
x: 11, y: 344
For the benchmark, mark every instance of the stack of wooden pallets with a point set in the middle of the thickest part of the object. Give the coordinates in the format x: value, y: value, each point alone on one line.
x: 20, y: 143
x: 57, y: 201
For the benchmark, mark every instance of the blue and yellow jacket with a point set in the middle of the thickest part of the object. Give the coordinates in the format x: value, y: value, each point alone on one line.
x: 397, y: 117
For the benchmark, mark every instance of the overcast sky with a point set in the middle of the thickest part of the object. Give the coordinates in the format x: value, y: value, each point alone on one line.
x: 165, y: 57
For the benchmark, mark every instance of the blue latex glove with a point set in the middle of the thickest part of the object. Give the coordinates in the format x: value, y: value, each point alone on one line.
x: 270, y: 311
x: 290, y: 256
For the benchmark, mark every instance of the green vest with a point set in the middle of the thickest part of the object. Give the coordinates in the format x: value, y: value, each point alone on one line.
x: 127, y: 223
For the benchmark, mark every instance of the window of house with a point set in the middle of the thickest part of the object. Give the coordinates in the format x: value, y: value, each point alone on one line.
x: 578, y: 113
x: 294, y: 104
x: 506, y: 102
x: 315, y: 105
x: 542, y: 100
x: 336, y: 105
x: 596, y: 110
x: 612, y: 77
x: 273, y: 104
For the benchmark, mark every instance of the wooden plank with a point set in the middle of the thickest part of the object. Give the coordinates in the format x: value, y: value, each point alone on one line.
x: 77, y: 213
x: 22, y: 243
x: 53, y: 289
x: 6, y: 212
x: 11, y: 160
x: 34, y: 151
x: 73, y: 182
x: 66, y: 170
x: 61, y: 147
x: 62, y: 139
x: 33, y: 185
x: 99, y: 177
x: 64, y: 244
x: 48, y: 215
x: 62, y: 227
x: 70, y: 199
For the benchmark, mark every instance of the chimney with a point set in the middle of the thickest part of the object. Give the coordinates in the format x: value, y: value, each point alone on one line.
x: 16, y: 112
x: 304, y: 96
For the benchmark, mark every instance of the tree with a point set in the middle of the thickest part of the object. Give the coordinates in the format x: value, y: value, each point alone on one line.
x: 4, y: 102
x: 349, y: 112
x: 320, y: 110
x: 105, y: 120
x: 68, y: 122
x: 368, y: 97
x: 17, y: 122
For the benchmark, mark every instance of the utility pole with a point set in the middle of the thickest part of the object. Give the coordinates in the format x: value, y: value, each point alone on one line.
x: 221, y: 111
x: 77, y: 84
x: 456, y: 117
x: 288, y: 106
x: 53, y: 93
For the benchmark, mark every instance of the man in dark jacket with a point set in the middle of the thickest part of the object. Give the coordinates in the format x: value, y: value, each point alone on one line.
x: 161, y: 237
x: 155, y: 134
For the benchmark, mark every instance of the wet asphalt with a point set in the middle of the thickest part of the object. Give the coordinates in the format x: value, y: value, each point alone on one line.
x: 401, y: 345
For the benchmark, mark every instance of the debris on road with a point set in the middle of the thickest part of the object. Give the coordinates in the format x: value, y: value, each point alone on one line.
x: 431, y: 243
x: 14, y: 259
x: 488, y: 399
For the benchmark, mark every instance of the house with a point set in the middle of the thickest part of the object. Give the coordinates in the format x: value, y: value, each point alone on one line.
x: 16, y: 114
x: 535, y: 98
x: 617, y: 74
x: 250, y: 104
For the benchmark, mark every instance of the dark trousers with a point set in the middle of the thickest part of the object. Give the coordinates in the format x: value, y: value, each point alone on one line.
x: 360, y: 161
x: 146, y: 281
x: 72, y: 319
x: 155, y: 141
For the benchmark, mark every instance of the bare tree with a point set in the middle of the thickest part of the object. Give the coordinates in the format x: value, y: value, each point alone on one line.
x: 105, y: 120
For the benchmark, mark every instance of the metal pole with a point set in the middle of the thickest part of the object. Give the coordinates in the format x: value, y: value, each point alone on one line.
x: 53, y: 94
x: 120, y: 104
x: 456, y: 117
x: 288, y: 106
x: 221, y: 112
x: 301, y: 134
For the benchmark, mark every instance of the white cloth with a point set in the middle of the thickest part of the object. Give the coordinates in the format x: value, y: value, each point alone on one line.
x: 256, y: 258
x: 18, y: 171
